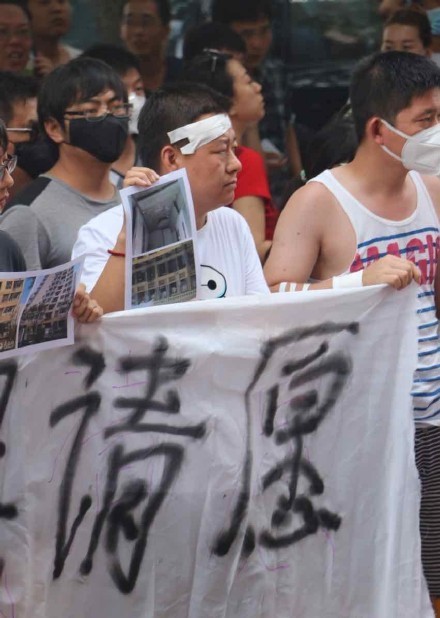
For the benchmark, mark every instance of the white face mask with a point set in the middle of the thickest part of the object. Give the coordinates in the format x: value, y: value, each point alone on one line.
x: 137, y: 101
x: 421, y: 152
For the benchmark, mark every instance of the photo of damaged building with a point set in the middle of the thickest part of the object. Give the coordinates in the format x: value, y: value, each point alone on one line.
x: 45, y: 315
x: 10, y: 294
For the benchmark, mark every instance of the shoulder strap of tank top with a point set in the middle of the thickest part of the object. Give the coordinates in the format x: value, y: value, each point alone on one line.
x: 423, y: 193
x: 349, y: 204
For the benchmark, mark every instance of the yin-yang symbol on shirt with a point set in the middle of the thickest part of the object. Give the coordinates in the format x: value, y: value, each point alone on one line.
x: 212, y: 282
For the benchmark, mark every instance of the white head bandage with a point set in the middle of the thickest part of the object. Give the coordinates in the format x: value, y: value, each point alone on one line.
x: 201, y: 132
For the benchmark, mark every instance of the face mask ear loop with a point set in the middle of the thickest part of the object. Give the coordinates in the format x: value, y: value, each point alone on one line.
x: 388, y: 151
x: 393, y: 130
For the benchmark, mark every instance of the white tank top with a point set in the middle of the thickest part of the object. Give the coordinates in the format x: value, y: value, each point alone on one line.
x: 417, y: 239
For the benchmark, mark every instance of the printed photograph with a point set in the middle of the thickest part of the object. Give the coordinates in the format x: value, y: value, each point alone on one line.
x: 13, y: 292
x: 161, y: 243
x: 46, y: 312
x: 164, y: 276
x: 160, y: 217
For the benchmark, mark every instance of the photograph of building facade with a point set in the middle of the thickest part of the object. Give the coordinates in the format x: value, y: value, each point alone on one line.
x: 160, y: 217
x: 45, y: 315
x: 165, y: 276
x: 10, y: 295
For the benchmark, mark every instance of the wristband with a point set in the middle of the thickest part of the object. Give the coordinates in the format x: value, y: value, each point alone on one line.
x: 116, y: 253
x: 283, y: 287
x: 352, y: 280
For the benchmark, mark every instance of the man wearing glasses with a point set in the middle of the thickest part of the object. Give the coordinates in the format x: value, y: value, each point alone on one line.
x: 18, y: 110
x: 11, y: 258
x: 83, y: 110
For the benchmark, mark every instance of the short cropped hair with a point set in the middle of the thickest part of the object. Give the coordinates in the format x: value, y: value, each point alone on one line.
x: 384, y: 84
x: 119, y: 58
x: 415, y: 18
x: 78, y: 80
x: 227, y: 11
x: 3, y: 136
x: 211, y: 69
x: 163, y: 9
x: 15, y: 88
x: 211, y: 35
x: 171, y: 107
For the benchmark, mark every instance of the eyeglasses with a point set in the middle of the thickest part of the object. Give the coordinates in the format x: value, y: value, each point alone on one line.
x: 94, y: 114
x: 24, y: 133
x: 8, y: 166
x: 19, y: 33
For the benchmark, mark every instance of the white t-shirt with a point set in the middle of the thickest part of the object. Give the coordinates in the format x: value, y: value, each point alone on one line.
x: 436, y: 58
x: 228, y: 260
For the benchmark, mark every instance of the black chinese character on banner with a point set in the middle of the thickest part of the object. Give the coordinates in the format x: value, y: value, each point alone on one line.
x: 116, y: 517
x: 307, y: 406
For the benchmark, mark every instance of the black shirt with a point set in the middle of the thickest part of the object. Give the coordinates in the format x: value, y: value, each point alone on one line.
x: 11, y: 258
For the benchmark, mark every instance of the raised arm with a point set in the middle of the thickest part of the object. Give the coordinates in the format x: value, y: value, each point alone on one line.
x: 109, y: 290
x: 102, y: 241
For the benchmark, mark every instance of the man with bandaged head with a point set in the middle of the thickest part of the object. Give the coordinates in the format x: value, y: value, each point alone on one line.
x: 181, y: 126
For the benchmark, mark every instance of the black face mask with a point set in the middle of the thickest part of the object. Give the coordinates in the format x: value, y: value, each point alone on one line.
x: 104, y: 139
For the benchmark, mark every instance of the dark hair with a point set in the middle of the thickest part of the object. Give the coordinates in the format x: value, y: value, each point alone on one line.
x: 415, y: 18
x: 227, y: 11
x: 79, y: 79
x: 163, y: 8
x: 384, y: 84
x: 333, y: 144
x: 212, y: 35
x: 117, y: 57
x: 211, y: 69
x: 21, y: 4
x: 171, y: 107
x: 15, y: 88
x: 3, y: 136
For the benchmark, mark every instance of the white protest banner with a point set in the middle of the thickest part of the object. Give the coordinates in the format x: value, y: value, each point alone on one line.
x: 245, y: 458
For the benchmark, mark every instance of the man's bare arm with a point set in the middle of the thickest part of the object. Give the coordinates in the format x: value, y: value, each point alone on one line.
x: 297, y: 239
x: 298, y: 243
x: 109, y: 290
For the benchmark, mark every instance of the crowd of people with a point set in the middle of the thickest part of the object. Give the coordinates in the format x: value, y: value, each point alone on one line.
x: 358, y: 206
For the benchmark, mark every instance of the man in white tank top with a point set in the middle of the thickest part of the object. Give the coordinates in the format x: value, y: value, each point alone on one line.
x: 376, y: 220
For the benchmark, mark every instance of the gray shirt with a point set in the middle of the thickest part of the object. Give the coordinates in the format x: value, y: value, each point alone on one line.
x: 46, y: 230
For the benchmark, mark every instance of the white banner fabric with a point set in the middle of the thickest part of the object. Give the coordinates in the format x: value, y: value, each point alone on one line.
x: 245, y: 458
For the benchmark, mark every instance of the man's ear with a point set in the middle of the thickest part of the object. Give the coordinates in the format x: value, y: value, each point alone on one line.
x: 170, y: 158
x: 374, y: 129
x: 55, y: 131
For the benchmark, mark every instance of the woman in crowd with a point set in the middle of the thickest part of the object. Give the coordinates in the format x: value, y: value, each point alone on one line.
x: 408, y: 30
x: 228, y: 76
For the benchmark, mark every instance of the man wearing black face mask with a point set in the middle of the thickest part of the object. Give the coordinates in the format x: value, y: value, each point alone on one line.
x: 83, y: 111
